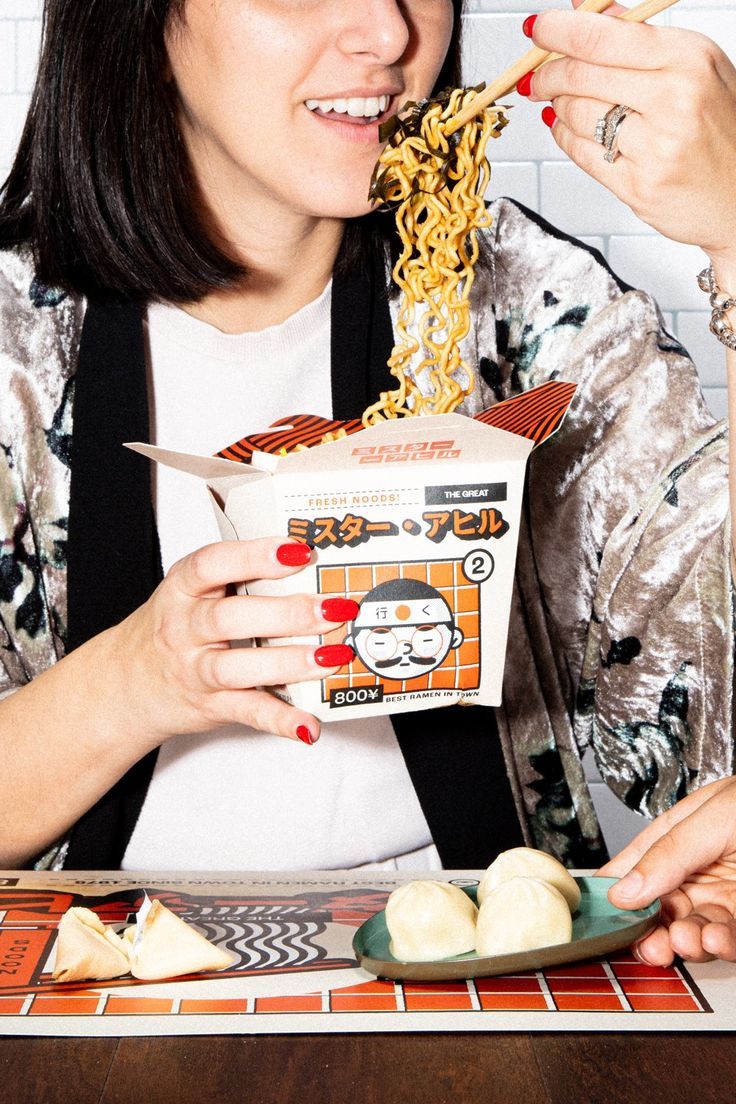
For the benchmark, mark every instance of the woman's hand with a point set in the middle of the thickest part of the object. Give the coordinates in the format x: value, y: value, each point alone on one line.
x: 687, y: 857
x: 678, y: 145
x: 176, y: 653
x: 167, y: 670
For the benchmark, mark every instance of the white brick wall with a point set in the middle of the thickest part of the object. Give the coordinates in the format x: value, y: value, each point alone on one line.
x: 530, y: 168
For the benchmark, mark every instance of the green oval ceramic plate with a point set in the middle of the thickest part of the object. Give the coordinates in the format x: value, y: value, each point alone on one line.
x: 598, y: 928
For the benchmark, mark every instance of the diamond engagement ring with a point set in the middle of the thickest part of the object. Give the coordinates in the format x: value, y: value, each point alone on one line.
x: 611, y: 126
x: 600, y: 132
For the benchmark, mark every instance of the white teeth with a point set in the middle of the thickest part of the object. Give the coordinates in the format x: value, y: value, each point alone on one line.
x: 358, y: 107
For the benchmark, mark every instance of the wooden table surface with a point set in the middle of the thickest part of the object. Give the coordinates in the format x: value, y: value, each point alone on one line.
x: 373, y: 1069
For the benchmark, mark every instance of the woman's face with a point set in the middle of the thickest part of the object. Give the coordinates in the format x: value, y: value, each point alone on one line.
x: 281, y: 99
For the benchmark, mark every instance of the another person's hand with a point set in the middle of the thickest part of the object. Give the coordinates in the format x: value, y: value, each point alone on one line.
x: 184, y: 675
x: 677, y: 146
x: 687, y: 857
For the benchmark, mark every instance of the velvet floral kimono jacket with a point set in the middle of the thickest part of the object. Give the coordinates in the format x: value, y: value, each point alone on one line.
x: 621, y: 632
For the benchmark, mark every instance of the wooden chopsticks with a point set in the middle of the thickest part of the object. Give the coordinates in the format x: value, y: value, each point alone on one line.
x: 536, y: 57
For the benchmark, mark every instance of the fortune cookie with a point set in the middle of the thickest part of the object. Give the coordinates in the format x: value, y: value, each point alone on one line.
x: 525, y: 862
x: 430, y: 920
x: 165, y: 946
x: 88, y: 950
x: 522, y: 914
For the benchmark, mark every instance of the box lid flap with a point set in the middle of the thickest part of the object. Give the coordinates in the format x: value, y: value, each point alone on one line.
x: 536, y: 414
x: 205, y: 467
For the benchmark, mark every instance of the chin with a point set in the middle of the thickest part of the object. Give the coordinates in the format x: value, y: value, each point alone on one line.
x: 344, y: 208
x: 358, y: 210
x: 339, y: 195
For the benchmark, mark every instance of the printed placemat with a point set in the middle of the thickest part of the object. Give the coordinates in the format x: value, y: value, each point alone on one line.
x: 295, y: 972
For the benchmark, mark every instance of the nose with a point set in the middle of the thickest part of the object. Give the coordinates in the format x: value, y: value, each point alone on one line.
x: 406, y: 645
x: 376, y: 29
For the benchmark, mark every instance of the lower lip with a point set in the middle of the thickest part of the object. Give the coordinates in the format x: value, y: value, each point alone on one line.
x: 352, y: 130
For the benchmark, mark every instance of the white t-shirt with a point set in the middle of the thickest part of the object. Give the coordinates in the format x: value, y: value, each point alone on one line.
x: 236, y: 798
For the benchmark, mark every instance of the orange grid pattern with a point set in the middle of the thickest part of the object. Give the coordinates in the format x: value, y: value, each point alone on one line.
x: 461, y: 667
x: 213, y: 1007
x: 64, y: 1006
x: 311, y: 1002
x: 620, y: 984
x: 138, y: 1006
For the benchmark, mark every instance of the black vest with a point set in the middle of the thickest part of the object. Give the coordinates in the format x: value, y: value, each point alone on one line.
x: 453, y: 754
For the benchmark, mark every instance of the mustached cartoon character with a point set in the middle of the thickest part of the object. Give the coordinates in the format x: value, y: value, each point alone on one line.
x: 404, y: 629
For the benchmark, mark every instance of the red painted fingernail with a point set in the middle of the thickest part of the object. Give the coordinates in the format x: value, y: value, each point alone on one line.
x: 549, y: 116
x: 303, y: 734
x: 333, y: 655
x: 294, y: 555
x: 524, y: 86
x: 339, y: 609
x: 528, y: 25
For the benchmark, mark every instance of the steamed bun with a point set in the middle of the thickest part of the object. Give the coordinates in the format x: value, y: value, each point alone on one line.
x: 526, y: 862
x: 522, y: 914
x: 430, y: 920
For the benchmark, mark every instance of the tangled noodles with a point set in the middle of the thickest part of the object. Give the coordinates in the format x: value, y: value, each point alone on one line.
x: 438, y: 182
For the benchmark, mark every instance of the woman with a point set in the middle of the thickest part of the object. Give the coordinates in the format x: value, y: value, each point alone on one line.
x: 192, y: 190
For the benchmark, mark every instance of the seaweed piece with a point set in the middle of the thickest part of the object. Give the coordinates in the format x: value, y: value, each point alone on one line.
x: 408, y: 124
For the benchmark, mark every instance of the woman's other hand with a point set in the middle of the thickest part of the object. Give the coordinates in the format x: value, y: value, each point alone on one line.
x: 687, y: 857
x: 677, y: 146
x: 176, y: 649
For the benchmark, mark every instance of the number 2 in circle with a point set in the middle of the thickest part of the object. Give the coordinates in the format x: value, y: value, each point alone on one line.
x: 478, y: 566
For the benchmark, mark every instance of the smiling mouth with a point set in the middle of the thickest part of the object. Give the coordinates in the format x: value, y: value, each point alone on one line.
x: 360, y: 110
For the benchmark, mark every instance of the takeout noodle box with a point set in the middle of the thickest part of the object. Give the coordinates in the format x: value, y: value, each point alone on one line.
x: 417, y: 519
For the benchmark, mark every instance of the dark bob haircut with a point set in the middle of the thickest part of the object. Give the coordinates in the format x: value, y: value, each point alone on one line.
x: 101, y: 189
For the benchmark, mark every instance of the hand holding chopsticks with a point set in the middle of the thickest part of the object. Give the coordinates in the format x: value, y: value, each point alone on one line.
x: 671, y: 96
x: 536, y: 57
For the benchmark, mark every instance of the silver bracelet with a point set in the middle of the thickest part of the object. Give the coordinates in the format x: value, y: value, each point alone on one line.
x: 720, y: 302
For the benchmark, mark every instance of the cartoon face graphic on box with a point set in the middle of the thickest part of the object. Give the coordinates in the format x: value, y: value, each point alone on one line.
x: 404, y: 629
